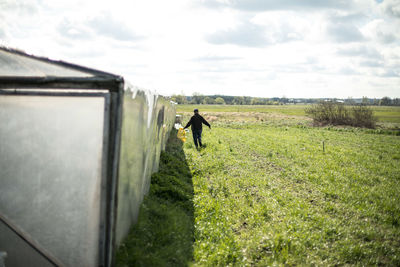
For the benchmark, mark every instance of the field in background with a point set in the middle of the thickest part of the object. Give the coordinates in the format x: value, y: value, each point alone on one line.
x: 271, y: 189
x: 297, y: 110
x: 384, y: 114
x: 387, y: 114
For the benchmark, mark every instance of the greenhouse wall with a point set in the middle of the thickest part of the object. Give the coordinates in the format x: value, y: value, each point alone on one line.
x: 147, y: 121
x: 77, y: 150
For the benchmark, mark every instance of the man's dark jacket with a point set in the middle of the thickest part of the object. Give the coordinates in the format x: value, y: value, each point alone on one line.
x: 196, y: 121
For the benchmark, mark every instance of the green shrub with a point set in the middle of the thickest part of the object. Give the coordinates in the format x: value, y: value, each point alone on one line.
x: 362, y: 116
x: 335, y: 113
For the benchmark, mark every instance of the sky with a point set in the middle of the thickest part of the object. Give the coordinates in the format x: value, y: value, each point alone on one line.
x: 262, y: 48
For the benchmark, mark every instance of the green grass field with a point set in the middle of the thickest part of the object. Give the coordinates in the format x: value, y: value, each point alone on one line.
x: 270, y: 189
x: 297, y: 110
x: 387, y: 114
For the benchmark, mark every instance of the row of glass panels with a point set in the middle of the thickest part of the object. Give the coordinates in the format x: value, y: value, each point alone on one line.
x: 53, y: 173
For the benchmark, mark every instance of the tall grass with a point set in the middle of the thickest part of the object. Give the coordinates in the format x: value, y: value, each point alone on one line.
x: 164, y: 233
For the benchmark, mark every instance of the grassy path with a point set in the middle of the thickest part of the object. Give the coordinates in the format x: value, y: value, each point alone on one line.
x: 164, y: 233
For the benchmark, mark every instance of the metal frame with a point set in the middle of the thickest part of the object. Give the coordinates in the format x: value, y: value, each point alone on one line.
x: 32, y: 243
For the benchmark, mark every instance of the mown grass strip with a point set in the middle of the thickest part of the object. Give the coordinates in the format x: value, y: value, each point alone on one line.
x: 164, y: 233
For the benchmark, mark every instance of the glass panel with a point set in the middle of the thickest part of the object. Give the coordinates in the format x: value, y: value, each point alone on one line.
x: 17, y: 65
x: 147, y: 121
x: 19, y: 253
x: 50, y: 172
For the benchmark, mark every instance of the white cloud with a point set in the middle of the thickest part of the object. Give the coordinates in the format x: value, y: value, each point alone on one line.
x: 392, y: 8
x: 106, y: 24
x: 360, y: 51
x: 263, y: 5
x: 73, y: 30
x: 247, y: 34
x: 381, y: 30
x: 268, y: 48
x: 212, y: 58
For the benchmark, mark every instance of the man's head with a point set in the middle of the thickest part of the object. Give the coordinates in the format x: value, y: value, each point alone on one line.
x: 196, y: 111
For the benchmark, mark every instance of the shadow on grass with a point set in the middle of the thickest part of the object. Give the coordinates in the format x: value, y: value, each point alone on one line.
x: 164, y: 233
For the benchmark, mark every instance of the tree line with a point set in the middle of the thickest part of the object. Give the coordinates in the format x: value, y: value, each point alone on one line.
x: 197, y: 98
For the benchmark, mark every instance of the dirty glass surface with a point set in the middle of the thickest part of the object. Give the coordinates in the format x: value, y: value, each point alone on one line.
x: 12, y: 64
x: 147, y: 121
x: 50, y: 173
x: 19, y: 253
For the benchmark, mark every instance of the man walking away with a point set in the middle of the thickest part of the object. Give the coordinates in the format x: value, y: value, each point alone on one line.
x: 197, y: 127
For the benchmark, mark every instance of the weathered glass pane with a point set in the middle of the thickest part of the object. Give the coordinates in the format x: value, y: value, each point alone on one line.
x: 51, y: 151
x: 12, y: 64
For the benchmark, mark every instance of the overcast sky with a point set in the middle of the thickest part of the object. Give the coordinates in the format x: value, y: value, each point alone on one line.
x: 266, y: 48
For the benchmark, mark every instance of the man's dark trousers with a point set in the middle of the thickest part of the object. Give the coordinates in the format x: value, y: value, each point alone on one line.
x: 197, y: 136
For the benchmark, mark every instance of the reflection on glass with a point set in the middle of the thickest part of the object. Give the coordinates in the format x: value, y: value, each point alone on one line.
x: 50, y: 169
